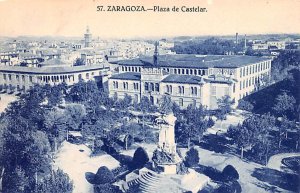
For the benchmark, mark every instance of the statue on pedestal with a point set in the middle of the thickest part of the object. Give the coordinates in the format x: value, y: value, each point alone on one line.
x: 165, y: 157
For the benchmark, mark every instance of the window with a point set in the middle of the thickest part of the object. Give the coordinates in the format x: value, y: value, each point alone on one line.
x: 233, y: 89
x: 115, y: 84
x: 194, y: 91
x: 182, y: 70
x: 136, y: 86
x: 187, y: 71
x: 146, y: 86
x: 136, y: 98
x: 181, y: 102
x: 30, y: 78
x: 4, y: 76
x: 125, y: 85
x: 156, y: 87
x: 9, y: 77
x: 17, y: 77
x: 175, y: 71
x: 241, y: 85
x: 181, y: 89
x: 194, y: 102
x: 151, y: 86
x: 87, y: 76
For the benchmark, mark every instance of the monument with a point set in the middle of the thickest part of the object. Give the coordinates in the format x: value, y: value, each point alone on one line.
x: 168, y: 173
x: 165, y: 158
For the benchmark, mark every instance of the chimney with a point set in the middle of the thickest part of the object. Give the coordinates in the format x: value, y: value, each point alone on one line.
x: 155, y: 55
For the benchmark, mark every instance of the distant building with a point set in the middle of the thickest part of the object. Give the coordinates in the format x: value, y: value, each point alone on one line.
x: 189, y: 79
x: 273, y: 43
x: 260, y: 46
x: 87, y: 38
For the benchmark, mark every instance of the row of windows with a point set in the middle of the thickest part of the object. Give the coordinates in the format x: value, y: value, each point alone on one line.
x: 189, y: 71
x: 181, y: 90
x: 245, y: 71
x: 150, y: 86
x: 180, y: 102
x: 131, y: 69
x: 49, y: 78
x: 125, y: 85
x: 9, y: 77
x: 175, y: 71
x: 250, y: 81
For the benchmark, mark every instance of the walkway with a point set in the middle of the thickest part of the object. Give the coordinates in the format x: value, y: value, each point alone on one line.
x: 275, y: 161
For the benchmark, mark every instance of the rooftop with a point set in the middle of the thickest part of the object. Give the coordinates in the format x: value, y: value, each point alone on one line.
x: 195, y: 61
x: 50, y: 70
x: 175, y: 78
x: 127, y: 76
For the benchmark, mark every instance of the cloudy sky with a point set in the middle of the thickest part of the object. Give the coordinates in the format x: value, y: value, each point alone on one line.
x: 223, y: 17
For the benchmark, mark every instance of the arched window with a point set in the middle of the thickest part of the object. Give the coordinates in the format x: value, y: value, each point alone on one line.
x: 170, y: 88
x: 151, y: 86
x: 157, y: 87
x: 146, y: 86
x: 179, y: 89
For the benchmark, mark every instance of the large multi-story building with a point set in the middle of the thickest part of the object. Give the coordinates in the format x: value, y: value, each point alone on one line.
x: 53, y: 72
x: 189, y: 79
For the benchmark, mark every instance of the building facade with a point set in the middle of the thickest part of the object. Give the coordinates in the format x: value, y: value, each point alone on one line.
x: 189, y: 79
x: 14, y: 79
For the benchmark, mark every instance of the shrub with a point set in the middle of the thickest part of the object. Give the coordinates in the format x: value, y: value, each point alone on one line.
x: 192, y: 157
x: 211, y: 172
x: 229, y: 173
x: 245, y: 105
x: 103, y: 176
x: 233, y: 131
x: 210, y: 122
x: 106, y: 188
x: 140, y: 158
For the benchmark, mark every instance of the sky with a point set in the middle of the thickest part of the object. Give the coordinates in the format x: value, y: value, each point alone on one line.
x: 223, y: 17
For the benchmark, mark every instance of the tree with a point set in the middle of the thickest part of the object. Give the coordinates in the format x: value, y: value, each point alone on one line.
x: 140, y: 158
x: 224, y: 107
x: 245, y: 105
x: 79, y: 62
x: 57, y: 181
x: 192, y: 157
x: 230, y: 174
x: 144, y: 107
x: 103, y: 176
x: 284, y: 103
x: 165, y: 105
x: 243, y: 138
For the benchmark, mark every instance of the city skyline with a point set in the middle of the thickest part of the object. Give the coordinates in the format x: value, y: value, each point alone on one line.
x: 70, y: 18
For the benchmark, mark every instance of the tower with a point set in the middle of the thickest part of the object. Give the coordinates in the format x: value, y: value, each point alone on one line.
x: 155, y: 55
x: 87, y: 38
x: 236, y: 38
x: 245, y: 43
